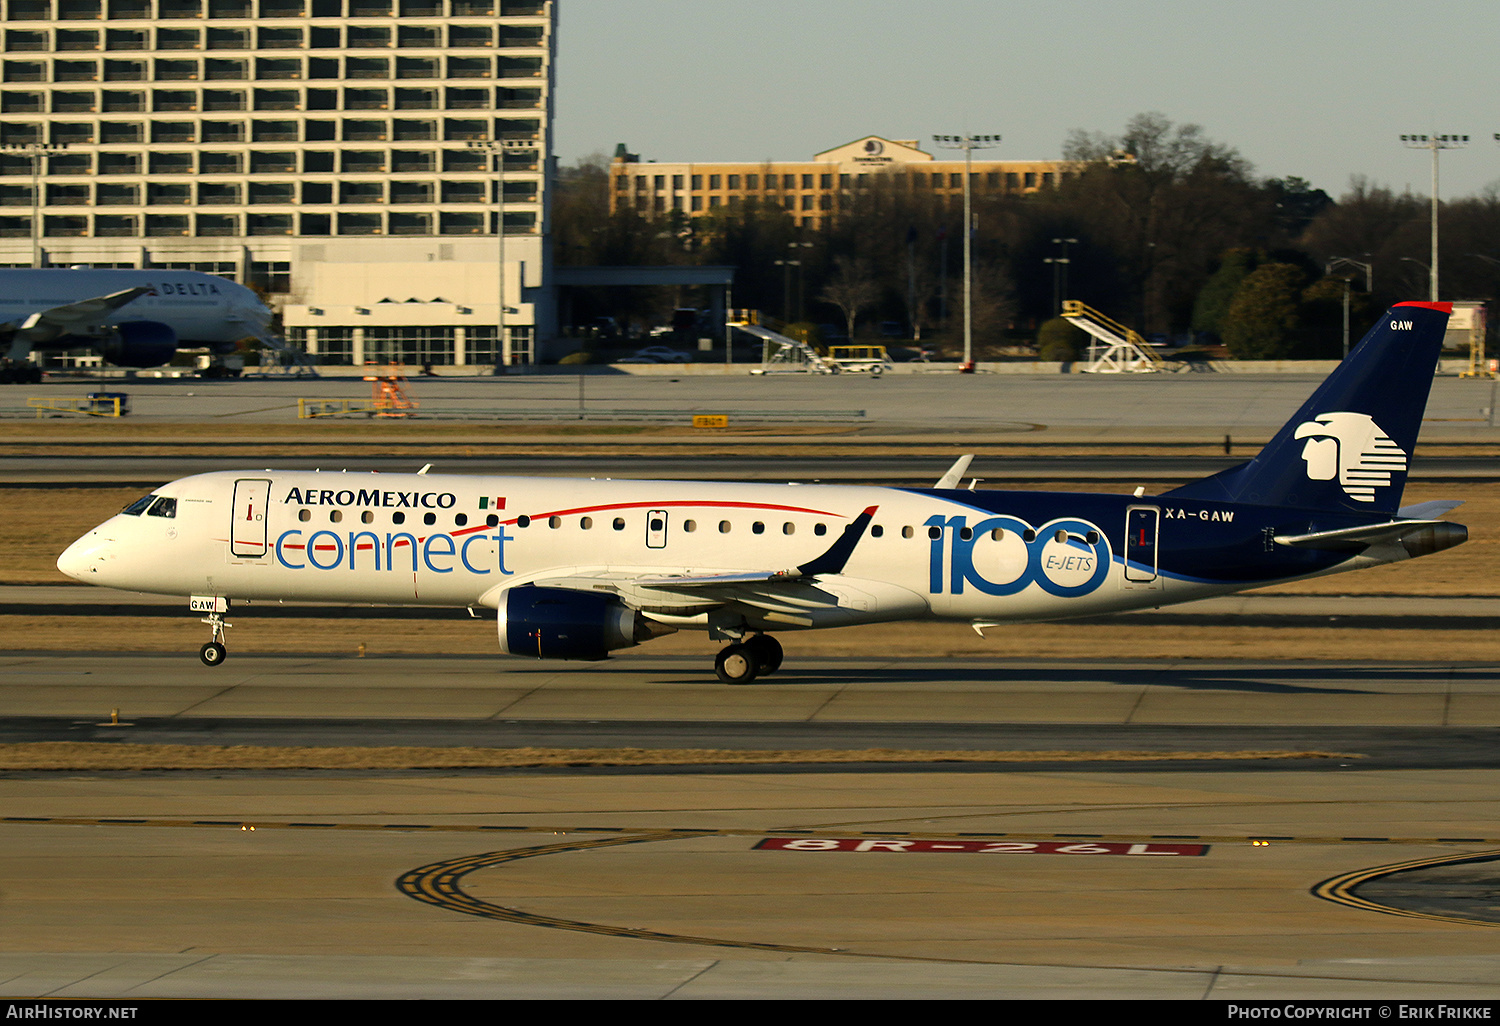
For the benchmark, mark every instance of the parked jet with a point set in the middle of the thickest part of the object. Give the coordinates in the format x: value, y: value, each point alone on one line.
x: 131, y: 318
x: 577, y: 569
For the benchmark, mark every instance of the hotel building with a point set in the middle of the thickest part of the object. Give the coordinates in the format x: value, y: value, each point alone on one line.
x: 815, y: 191
x: 345, y: 156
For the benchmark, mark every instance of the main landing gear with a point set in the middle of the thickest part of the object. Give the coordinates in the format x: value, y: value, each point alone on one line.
x: 743, y: 661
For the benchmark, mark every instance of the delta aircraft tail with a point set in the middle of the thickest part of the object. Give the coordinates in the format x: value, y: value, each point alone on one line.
x: 1349, y: 447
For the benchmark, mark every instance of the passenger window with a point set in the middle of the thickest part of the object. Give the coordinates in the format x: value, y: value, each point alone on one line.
x: 876, y: 531
x: 305, y: 515
x: 586, y: 523
x: 163, y: 507
x: 619, y: 524
x: 723, y: 527
x: 137, y: 507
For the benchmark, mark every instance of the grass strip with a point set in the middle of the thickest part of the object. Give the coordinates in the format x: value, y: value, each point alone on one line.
x: 89, y: 755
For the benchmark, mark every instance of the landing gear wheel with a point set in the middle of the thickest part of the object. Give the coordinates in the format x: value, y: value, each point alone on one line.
x: 735, y: 664
x: 767, y: 653
x: 213, y: 653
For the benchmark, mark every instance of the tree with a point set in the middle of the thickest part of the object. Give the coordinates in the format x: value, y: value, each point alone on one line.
x: 1214, y: 299
x: 852, y: 288
x: 1061, y: 340
x: 1168, y: 201
x: 1297, y: 204
x: 1263, y: 321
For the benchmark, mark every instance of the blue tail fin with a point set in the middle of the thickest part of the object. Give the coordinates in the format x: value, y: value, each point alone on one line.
x: 1349, y: 446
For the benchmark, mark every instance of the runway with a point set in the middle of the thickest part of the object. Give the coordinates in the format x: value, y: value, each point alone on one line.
x: 1182, y: 877
x: 1155, y: 828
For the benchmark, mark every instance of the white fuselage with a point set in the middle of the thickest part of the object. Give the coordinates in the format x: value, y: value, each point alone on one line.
x: 445, y: 540
x: 198, y: 307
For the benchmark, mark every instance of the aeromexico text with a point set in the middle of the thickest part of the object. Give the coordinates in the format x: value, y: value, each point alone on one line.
x: 370, y: 497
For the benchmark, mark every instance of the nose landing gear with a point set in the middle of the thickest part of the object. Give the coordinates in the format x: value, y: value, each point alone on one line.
x: 743, y: 661
x: 215, y: 652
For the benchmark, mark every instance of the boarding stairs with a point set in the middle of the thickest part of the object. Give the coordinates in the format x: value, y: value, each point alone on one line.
x: 280, y: 359
x: 1115, y: 349
x: 782, y: 353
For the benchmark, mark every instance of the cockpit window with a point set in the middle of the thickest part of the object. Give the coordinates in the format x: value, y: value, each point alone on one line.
x: 137, y: 507
x: 163, y: 507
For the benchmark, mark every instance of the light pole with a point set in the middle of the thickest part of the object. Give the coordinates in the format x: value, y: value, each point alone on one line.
x: 786, y: 286
x: 497, y: 148
x: 1369, y: 270
x: 1060, y: 273
x: 968, y: 143
x: 35, y: 151
x: 1435, y: 143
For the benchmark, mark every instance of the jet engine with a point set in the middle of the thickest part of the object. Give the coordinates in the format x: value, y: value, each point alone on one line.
x: 139, y: 344
x: 560, y: 623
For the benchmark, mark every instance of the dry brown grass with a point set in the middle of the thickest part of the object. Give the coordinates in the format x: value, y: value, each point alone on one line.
x: 85, y: 755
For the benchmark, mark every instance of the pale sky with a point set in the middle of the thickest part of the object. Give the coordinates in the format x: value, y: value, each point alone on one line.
x: 1322, y: 89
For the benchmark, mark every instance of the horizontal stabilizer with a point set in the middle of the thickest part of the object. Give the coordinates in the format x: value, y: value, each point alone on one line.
x: 1419, y: 537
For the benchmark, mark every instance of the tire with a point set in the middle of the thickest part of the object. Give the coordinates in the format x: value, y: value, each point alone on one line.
x: 767, y: 653
x: 735, y: 664
x: 213, y: 653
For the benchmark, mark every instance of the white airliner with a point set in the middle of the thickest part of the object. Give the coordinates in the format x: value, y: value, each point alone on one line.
x: 132, y: 318
x: 576, y: 569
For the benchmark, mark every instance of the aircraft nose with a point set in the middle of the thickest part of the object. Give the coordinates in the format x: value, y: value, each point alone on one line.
x: 82, y: 559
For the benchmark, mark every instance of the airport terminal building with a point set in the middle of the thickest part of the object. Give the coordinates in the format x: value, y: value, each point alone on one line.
x: 814, y: 191
x: 351, y: 158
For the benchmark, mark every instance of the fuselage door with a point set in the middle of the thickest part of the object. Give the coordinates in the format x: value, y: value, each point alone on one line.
x: 247, y: 532
x: 1142, y: 524
x: 656, y: 529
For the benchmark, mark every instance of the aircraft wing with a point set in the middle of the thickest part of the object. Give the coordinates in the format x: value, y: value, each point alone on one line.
x: 830, y: 562
x: 699, y: 592
x: 46, y: 325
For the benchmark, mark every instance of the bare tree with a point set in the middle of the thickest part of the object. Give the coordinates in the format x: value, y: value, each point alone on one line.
x: 852, y: 288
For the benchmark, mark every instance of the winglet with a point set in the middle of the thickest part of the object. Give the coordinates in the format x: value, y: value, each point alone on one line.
x: 832, y: 561
x: 955, y: 473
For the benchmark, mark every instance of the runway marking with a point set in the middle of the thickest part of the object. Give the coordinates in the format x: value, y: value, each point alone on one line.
x: 1340, y: 889
x: 438, y: 884
x: 934, y: 846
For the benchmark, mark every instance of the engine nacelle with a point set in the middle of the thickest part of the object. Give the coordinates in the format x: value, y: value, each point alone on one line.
x: 560, y: 623
x: 140, y: 344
